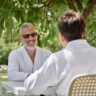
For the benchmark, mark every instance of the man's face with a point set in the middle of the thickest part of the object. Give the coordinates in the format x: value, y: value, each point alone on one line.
x: 29, y: 36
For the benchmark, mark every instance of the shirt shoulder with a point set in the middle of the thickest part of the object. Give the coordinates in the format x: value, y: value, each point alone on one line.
x: 43, y: 50
x: 16, y: 51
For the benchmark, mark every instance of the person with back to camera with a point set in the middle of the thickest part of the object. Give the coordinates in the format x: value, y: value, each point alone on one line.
x: 29, y: 57
x: 76, y: 58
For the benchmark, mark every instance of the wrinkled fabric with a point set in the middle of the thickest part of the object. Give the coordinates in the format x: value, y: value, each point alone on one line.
x: 20, y: 64
x: 77, y: 58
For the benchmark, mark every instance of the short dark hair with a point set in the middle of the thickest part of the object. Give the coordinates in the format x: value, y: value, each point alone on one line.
x: 71, y: 25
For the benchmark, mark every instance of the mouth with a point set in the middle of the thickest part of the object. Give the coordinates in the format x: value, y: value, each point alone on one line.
x: 31, y: 41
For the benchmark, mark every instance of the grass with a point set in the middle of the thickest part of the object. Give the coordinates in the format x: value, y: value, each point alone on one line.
x: 3, y: 77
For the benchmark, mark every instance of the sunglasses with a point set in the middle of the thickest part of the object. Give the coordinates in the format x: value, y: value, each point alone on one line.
x: 28, y: 35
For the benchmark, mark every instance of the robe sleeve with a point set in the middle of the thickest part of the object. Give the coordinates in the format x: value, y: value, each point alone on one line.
x: 13, y: 68
x: 43, y: 78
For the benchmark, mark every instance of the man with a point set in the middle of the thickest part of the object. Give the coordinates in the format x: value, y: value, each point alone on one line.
x: 29, y: 57
x: 76, y: 58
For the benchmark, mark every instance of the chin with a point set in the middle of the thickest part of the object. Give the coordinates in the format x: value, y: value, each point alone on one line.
x: 30, y: 47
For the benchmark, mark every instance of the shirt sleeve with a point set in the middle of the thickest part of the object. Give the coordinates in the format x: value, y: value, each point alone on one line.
x: 13, y: 68
x: 45, y: 54
x: 43, y: 78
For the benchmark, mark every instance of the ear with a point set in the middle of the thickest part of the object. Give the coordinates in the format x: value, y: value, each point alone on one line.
x: 21, y: 39
x: 62, y: 37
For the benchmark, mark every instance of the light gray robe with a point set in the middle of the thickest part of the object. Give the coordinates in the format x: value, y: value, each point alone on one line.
x: 20, y: 64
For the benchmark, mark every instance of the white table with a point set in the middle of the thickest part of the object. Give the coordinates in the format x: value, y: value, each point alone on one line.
x: 15, y: 87
x: 18, y: 89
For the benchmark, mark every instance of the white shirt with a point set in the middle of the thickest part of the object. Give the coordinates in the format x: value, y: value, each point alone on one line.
x: 77, y: 58
x: 20, y: 64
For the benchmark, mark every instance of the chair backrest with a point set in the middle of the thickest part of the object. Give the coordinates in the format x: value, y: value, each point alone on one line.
x: 83, y: 86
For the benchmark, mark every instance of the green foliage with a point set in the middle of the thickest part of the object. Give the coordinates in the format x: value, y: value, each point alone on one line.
x: 5, y: 49
x: 91, y: 29
x: 44, y: 15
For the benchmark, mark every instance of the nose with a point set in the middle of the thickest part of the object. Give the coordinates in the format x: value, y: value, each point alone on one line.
x: 31, y: 38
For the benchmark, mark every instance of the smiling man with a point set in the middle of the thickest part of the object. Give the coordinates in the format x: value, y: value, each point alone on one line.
x: 29, y: 57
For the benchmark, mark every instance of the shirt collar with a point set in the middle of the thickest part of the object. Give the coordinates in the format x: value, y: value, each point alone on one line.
x: 77, y: 43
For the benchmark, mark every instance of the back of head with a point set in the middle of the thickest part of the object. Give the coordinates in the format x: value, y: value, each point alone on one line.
x: 71, y: 25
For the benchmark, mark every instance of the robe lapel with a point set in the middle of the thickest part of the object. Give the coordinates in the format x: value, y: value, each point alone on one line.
x: 38, y: 58
x: 28, y: 62
x: 26, y: 58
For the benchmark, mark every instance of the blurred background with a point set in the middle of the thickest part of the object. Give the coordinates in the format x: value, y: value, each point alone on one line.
x: 44, y: 15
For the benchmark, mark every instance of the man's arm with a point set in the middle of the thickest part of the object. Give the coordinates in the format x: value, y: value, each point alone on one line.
x: 45, y: 77
x: 13, y: 69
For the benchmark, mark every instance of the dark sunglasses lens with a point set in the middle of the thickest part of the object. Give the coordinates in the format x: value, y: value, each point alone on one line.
x: 28, y: 35
x: 33, y: 34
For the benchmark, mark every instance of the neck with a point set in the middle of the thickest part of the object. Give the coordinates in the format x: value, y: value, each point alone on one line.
x: 31, y: 53
x: 64, y: 43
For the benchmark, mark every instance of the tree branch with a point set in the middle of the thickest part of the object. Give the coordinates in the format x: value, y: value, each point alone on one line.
x: 42, y: 4
x: 88, y: 10
x: 71, y: 4
x: 79, y: 5
x: 47, y: 3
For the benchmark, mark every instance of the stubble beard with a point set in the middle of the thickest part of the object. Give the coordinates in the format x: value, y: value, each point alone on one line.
x: 30, y: 47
